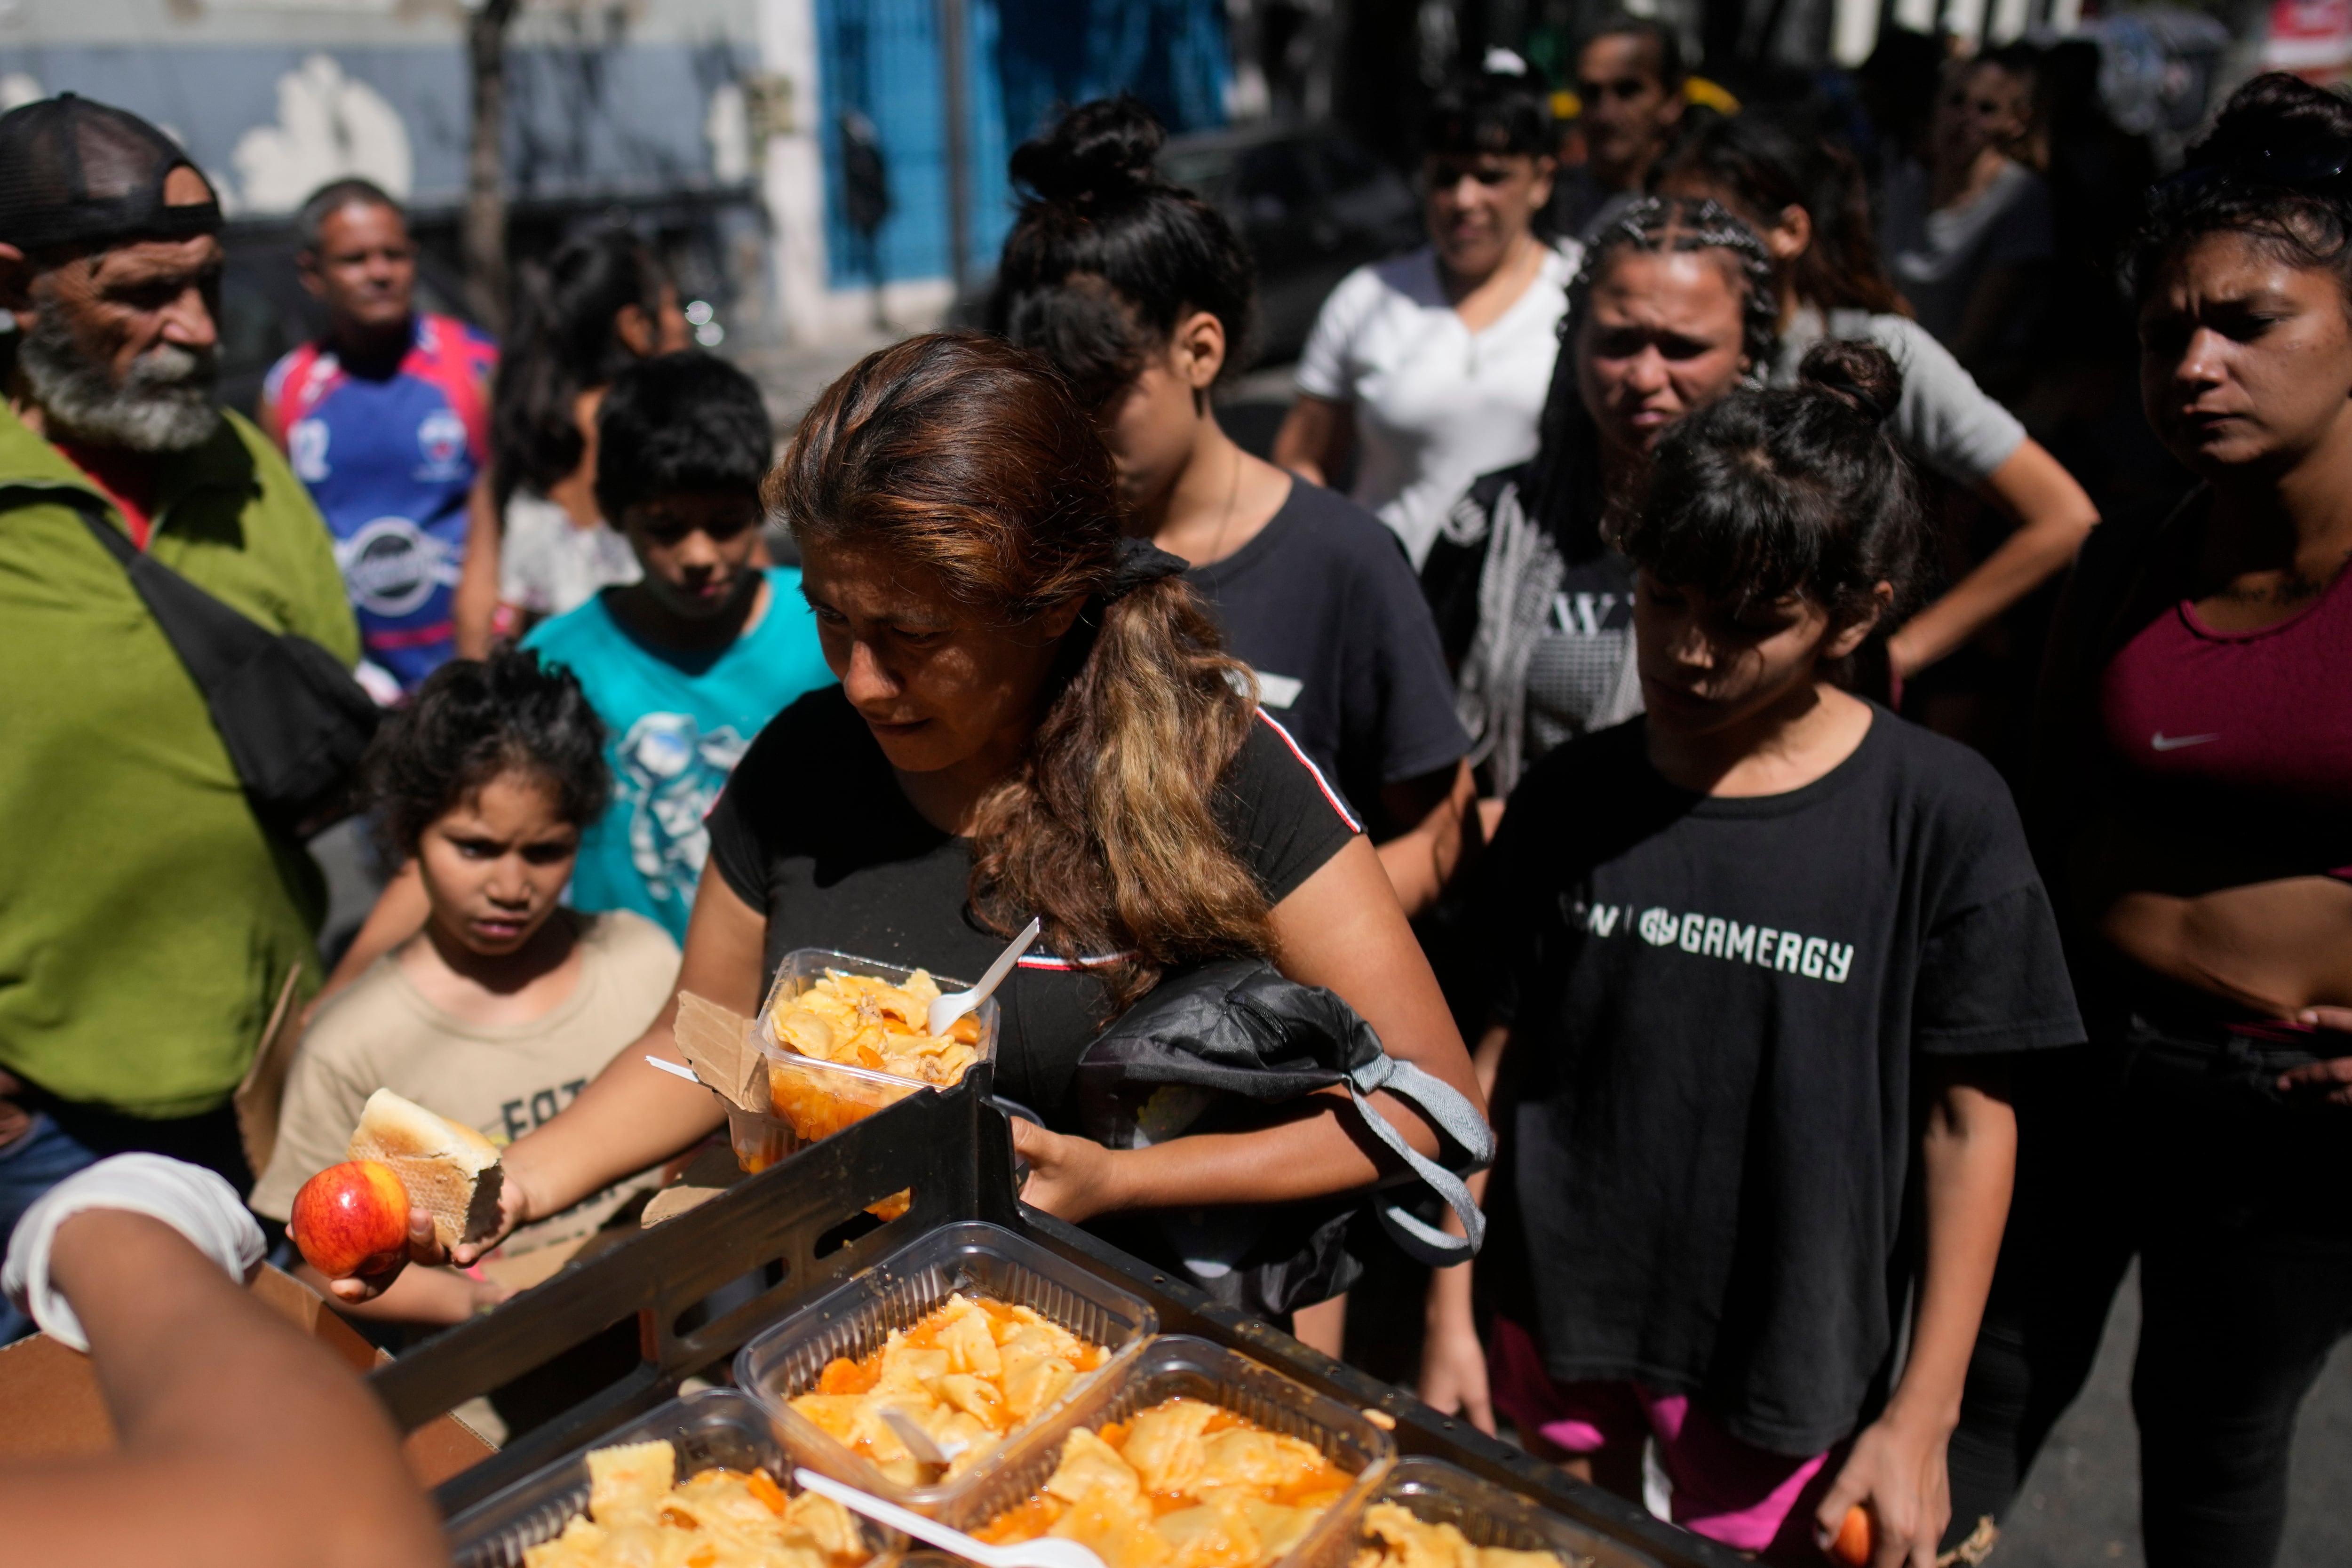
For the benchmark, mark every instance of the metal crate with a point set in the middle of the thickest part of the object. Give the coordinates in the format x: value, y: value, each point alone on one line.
x: 955, y: 1153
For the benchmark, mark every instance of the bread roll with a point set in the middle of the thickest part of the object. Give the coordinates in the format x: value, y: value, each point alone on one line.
x: 451, y: 1172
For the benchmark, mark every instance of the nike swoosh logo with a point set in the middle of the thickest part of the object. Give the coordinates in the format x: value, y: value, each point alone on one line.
x: 2164, y: 742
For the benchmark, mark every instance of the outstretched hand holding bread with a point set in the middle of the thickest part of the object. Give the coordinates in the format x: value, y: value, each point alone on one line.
x: 447, y: 1197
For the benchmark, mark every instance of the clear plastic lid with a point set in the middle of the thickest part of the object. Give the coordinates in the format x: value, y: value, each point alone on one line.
x: 853, y: 1320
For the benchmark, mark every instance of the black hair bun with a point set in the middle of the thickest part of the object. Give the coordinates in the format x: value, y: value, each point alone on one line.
x: 2276, y: 116
x: 1860, y: 374
x: 1094, y: 154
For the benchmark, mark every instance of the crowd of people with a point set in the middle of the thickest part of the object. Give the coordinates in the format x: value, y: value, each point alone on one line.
x: 1608, y: 690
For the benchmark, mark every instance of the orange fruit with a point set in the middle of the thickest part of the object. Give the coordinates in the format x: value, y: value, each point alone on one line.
x: 1855, y: 1538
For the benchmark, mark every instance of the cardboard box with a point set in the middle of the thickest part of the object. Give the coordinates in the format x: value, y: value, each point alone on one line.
x: 50, y: 1406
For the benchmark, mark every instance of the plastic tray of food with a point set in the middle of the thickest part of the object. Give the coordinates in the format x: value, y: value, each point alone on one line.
x: 1488, y: 1517
x: 711, y: 1429
x: 1174, y: 1366
x: 815, y: 1097
x: 855, y: 1319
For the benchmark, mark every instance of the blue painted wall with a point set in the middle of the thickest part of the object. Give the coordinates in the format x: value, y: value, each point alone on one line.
x: 1026, y: 59
x: 881, y: 58
x: 1169, y: 53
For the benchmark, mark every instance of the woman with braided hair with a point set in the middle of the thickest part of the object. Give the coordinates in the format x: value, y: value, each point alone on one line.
x: 1673, y: 310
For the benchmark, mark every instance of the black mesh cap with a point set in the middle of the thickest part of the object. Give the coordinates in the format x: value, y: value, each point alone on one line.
x: 73, y: 171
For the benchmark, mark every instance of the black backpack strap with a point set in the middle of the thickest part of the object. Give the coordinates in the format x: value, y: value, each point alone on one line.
x: 212, y: 638
x: 294, y: 722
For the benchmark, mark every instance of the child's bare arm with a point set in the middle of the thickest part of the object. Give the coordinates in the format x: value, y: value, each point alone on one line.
x: 1452, y: 1361
x: 1896, y: 1469
x: 1970, y: 1157
x: 438, y: 1296
x: 475, y: 606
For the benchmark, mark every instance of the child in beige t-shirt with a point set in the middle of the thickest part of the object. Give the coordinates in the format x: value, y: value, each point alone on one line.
x: 507, y: 1003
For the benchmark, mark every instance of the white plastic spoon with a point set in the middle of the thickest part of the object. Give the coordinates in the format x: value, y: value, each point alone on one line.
x: 919, y: 1442
x: 1046, y: 1551
x: 673, y: 1069
x: 945, y: 1010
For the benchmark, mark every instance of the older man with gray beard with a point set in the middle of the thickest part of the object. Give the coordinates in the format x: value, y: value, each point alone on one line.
x: 150, y: 922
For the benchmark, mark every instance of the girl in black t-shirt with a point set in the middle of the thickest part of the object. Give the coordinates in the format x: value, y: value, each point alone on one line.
x: 1142, y: 294
x: 1035, y: 717
x: 1766, y: 948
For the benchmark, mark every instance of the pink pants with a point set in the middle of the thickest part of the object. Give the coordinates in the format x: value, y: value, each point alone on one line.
x: 1749, y: 1499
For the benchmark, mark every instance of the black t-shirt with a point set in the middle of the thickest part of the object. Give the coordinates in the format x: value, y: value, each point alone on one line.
x: 814, y: 831
x: 1707, y: 1108
x: 1324, y: 606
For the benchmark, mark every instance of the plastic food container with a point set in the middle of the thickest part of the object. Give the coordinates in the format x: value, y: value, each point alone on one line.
x: 715, y: 1427
x: 1177, y: 1364
x: 759, y: 1140
x: 854, y: 1319
x: 1488, y: 1515
x: 814, y: 1098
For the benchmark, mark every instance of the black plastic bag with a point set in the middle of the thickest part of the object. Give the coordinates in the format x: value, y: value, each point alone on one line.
x: 1208, y: 1051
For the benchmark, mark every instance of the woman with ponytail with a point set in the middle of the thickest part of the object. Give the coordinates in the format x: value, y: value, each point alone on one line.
x: 1035, y: 719
x: 2193, y: 796
x: 1767, y: 951
x: 1142, y: 295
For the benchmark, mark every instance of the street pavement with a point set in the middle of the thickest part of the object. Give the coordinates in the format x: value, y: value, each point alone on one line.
x: 2080, y: 1504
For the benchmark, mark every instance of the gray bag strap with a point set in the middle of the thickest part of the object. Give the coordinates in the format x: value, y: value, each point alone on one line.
x: 1453, y: 1116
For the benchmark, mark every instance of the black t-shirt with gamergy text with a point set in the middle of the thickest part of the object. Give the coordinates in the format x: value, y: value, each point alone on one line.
x: 814, y: 832
x: 1719, y: 1008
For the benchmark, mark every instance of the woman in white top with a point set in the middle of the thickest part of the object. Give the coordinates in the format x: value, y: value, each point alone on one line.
x: 601, y: 301
x: 1806, y: 203
x: 1435, y: 364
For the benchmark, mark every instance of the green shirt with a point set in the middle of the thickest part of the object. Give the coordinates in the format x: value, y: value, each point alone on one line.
x: 147, y: 919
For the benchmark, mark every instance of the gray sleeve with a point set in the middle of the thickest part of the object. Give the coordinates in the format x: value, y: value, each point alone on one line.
x: 1945, y: 419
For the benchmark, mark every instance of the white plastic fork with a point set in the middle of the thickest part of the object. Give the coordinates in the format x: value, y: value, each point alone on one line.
x: 1046, y: 1551
x: 945, y: 1010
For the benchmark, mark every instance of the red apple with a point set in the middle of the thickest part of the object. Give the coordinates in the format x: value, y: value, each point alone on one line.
x: 351, y: 1218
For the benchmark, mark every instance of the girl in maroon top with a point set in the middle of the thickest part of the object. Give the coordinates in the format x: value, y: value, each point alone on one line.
x: 2197, y: 823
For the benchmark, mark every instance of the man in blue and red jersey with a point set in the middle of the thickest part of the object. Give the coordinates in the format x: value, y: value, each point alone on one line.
x: 386, y: 419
